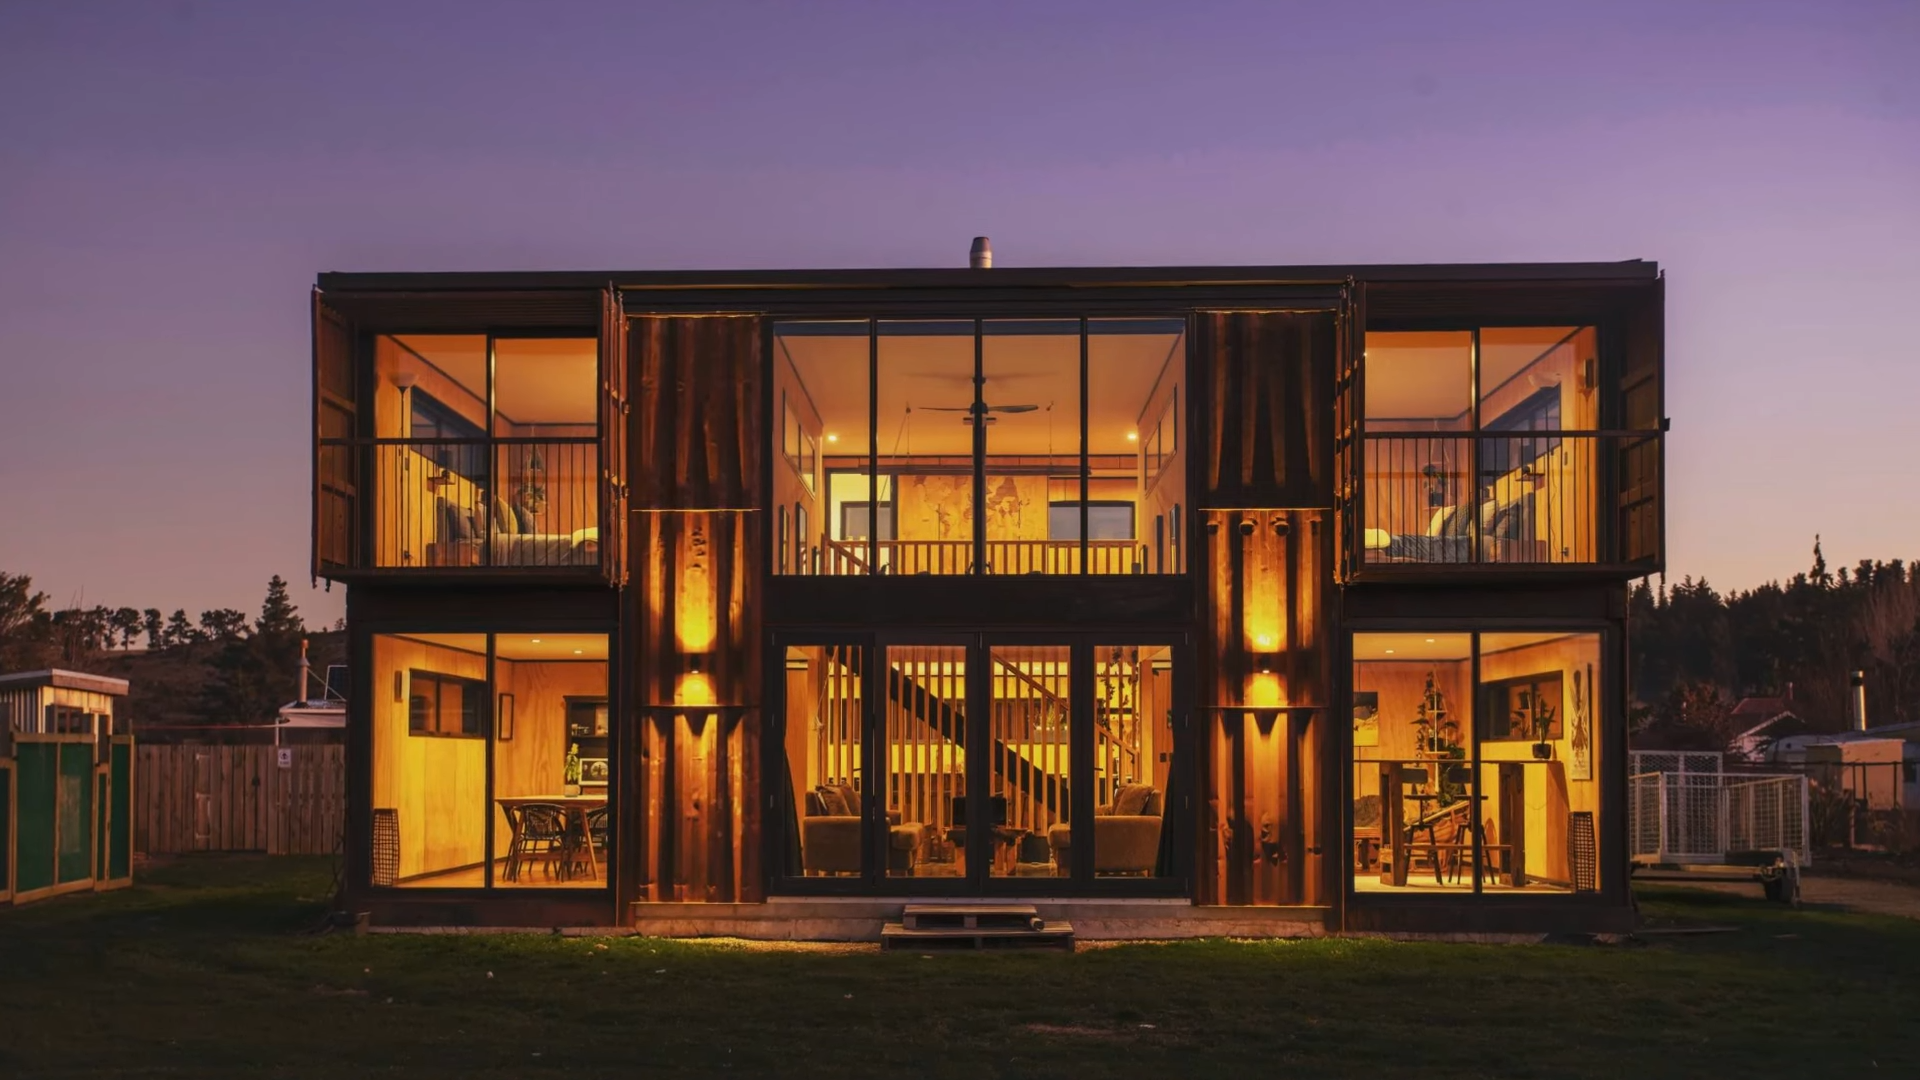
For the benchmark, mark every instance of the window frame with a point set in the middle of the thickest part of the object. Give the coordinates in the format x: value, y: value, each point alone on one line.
x: 474, y: 697
x: 1609, y: 746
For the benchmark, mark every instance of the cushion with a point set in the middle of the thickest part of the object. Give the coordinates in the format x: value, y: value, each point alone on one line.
x: 503, y: 521
x: 1132, y: 800
x: 454, y: 525
x: 848, y: 796
x: 832, y: 803
x: 1505, y: 523
x: 522, y: 519
x: 815, y: 808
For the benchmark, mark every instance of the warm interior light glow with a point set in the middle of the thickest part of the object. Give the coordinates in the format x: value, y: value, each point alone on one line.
x: 577, y: 652
x: 1429, y: 641
x: 1264, y: 642
x: 832, y: 437
x: 694, y: 688
x: 1263, y: 691
x: 534, y: 641
x: 1133, y: 436
x: 1389, y: 652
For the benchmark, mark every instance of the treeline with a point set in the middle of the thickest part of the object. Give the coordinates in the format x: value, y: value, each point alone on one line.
x: 223, y: 669
x: 1695, y: 653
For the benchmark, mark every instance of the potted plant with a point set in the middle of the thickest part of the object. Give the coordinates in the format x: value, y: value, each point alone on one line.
x: 1542, y: 728
x: 573, y: 769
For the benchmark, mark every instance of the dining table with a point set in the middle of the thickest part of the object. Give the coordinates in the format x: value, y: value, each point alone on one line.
x: 576, y: 808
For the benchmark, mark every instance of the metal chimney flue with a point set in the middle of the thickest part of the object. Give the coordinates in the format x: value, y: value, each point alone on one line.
x: 1859, y: 681
x: 981, y: 257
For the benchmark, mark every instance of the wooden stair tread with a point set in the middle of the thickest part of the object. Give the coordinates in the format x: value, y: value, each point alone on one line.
x: 1056, y: 934
x: 968, y: 909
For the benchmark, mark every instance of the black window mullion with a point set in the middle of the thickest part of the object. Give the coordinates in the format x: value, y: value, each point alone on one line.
x: 979, y: 448
x: 1475, y: 797
x: 486, y: 732
x: 1086, y: 549
x: 873, y: 446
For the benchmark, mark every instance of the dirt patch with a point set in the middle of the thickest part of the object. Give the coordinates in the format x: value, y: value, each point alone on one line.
x: 1076, y: 1031
x: 1877, y: 897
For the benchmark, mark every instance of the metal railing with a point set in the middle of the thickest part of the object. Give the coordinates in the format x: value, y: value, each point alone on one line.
x: 840, y: 558
x: 1500, y: 498
x: 470, y: 503
x: 1708, y: 817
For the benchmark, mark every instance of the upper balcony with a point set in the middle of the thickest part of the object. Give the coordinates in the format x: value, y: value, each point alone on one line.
x: 446, y: 454
x: 1503, y: 450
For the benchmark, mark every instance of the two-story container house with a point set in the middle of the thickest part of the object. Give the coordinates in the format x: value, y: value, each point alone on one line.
x: 1179, y: 600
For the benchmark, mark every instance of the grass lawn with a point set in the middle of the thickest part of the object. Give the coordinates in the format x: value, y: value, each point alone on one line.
x: 201, y: 970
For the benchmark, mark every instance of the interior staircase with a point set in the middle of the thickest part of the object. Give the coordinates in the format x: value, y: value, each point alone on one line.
x: 975, y: 926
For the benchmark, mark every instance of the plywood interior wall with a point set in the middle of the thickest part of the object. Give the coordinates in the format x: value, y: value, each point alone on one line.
x: 534, y: 761
x: 438, y: 783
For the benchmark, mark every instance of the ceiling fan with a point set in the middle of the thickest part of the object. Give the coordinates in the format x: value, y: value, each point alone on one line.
x: 973, y: 410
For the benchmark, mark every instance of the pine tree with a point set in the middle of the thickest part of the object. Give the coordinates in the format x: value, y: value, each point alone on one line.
x: 155, y: 625
x: 279, y: 619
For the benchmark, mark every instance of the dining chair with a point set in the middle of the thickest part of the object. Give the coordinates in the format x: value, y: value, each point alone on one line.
x: 543, y: 832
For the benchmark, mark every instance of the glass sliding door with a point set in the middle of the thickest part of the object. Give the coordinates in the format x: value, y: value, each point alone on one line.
x: 923, y: 759
x: 823, y: 739
x: 1029, y: 757
x: 970, y: 765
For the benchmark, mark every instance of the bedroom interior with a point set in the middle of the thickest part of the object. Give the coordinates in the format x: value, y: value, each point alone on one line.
x: 1475, y: 448
x: 488, y: 452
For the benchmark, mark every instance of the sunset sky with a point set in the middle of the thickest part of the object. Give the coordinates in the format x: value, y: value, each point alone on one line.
x: 174, y: 174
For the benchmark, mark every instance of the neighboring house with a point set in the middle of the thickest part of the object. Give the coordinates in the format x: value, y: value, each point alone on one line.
x: 1760, y: 722
x: 1880, y: 765
x: 762, y: 602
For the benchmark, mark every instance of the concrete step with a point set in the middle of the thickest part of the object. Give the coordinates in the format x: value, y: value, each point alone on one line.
x: 1046, y: 935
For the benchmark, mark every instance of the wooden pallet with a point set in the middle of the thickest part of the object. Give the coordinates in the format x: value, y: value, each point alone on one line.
x: 975, y: 926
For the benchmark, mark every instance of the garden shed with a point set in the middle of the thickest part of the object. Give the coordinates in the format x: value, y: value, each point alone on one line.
x: 66, y: 785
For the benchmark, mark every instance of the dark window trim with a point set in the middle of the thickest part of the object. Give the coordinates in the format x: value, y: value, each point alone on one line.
x: 472, y: 690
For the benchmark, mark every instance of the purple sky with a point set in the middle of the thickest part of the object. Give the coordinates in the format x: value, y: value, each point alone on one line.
x: 172, y: 176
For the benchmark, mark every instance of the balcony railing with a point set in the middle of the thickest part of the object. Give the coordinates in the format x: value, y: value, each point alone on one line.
x: 1509, y: 499
x: 476, y: 503
x: 942, y: 557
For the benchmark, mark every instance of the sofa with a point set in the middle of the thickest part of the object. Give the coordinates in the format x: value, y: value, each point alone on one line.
x: 830, y: 834
x: 1126, y: 835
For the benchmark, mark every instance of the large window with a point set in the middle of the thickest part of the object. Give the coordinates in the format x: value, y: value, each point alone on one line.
x: 1466, y: 782
x: 963, y: 446
x: 487, y: 451
x: 1481, y: 446
x: 523, y: 715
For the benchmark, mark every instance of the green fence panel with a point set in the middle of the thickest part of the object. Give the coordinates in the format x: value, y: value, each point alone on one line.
x: 76, y: 812
x: 120, y: 823
x: 37, y: 782
x: 6, y: 828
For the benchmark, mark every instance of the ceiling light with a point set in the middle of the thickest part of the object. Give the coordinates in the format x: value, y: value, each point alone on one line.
x: 1429, y: 641
x: 1133, y: 436
x: 534, y: 641
x: 833, y: 438
x: 577, y: 652
x: 1389, y: 652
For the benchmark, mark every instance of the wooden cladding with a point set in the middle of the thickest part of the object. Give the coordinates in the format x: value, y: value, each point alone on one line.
x: 336, y: 526
x: 615, y: 413
x: 698, y: 424
x: 1265, y: 684
x: 1265, y: 407
x: 699, y: 608
x: 1268, y: 613
x: 694, y: 800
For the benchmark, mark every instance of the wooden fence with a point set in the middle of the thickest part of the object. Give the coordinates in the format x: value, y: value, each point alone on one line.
x: 240, y: 798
